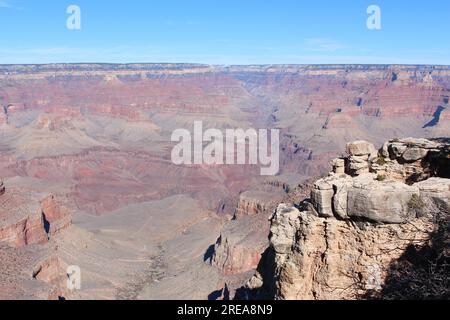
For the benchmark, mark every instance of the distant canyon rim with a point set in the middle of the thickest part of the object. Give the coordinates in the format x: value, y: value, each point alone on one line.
x: 88, y: 179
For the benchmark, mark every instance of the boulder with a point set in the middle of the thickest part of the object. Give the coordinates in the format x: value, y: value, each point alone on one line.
x: 437, y: 190
x: 382, y: 202
x: 322, y: 197
x: 284, y: 225
x: 420, y: 143
x: 341, y: 187
x: 338, y: 166
x: 358, y: 165
x: 414, y: 154
x: 396, y: 150
x: 360, y: 148
x: 409, y: 149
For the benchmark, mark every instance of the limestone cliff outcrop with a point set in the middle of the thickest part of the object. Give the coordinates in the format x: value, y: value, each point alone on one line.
x: 378, y: 186
x: 360, y: 223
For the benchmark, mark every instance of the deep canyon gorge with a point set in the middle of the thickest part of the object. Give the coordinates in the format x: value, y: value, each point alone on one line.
x: 86, y: 176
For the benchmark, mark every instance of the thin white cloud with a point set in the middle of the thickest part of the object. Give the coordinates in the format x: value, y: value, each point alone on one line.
x: 122, y: 54
x: 323, y: 44
x: 9, y: 4
x: 5, y: 4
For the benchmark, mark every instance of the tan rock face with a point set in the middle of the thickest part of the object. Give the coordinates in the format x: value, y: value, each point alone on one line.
x: 411, y: 159
x: 283, y: 228
x: 241, y: 244
x: 243, y: 240
x: 341, y: 187
x: 338, y: 166
x: 366, y: 223
x: 48, y: 270
x: 255, y: 202
x: 30, y: 271
x: 358, y: 165
x: 362, y: 197
x: 322, y: 199
x: 383, y: 195
x: 437, y: 190
x: 414, y: 154
x: 406, y: 160
x: 385, y: 202
x: 321, y: 259
x: 29, y: 230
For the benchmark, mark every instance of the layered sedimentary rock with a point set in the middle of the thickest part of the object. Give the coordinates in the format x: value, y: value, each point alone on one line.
x: 56, y: 216
x: 242, y: 241
x: 244, y: 238
x: 234, y: 254
x: 378, y: 186
x: 24, y: 220
x: 21, y: 220
x: 319, y: 258
x: 98, y: 136
x: 345, y: 242
x: 256, y: 202
x: 30, y: 265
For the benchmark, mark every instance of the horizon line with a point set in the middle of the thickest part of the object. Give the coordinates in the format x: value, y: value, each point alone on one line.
x: 225, y: 65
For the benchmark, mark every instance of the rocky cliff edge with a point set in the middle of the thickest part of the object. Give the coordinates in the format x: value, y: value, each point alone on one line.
x: 375, y: 227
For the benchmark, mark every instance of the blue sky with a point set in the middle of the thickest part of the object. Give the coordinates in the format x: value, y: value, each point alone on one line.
x: 225, y: 31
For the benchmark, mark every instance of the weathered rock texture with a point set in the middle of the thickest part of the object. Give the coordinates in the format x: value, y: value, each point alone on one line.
x: 31, y: 272
x: 24, y: 220
x: 379, y: 186
x: 56, y: 216
x: 344, y: 244
x: 244, y: 239
x: 30, y: 265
